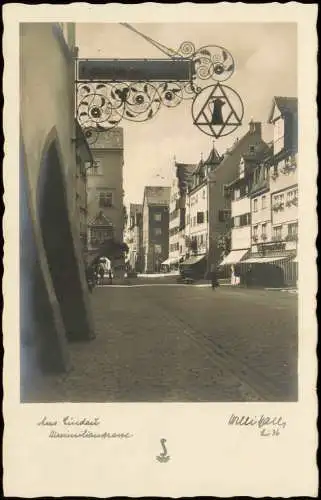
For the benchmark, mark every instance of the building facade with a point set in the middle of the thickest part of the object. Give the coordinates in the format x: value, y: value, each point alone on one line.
x: 83, y: 160
x: 155, y: 238
x: 54, y: 303
x: 178, y: 214
x: 219, y: 203
x: 134, y: 237
x: 105, y: 190
x: 264, y: 205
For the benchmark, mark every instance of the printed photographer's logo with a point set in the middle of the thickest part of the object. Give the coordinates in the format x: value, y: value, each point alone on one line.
x: 163, y: 457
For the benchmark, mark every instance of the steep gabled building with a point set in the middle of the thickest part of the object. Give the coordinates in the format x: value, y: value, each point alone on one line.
x: 198, y: 207
x: 239, y: 191
x: 275, y: 251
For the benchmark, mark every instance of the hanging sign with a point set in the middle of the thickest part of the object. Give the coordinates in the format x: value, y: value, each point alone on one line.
x: 217, y: 110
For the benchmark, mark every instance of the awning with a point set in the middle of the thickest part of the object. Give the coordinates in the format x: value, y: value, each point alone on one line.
x: 170, y: 261
x: 233, y: 257
x: 264, y: 260
x: 193, y: 260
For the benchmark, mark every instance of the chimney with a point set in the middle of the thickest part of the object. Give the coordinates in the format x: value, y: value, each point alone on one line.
x: 255, y: 127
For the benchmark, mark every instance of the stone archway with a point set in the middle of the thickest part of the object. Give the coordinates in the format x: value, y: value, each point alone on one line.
x: 42, y: 336
x: 60, y: 247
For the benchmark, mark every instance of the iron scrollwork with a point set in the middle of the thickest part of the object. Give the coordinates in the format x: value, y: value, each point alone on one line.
x: 102, y: 105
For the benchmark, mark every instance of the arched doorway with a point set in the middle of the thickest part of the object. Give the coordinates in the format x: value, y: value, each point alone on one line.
x: 59, y: 244
x: 42, y: 338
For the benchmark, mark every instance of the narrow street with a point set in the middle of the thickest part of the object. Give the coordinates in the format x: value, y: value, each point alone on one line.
x: 167, y: 342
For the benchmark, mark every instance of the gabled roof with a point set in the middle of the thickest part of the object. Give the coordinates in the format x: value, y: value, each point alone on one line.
x: 157, y: 195
x: 235, y: 150
x: 199, y: 167
x: 214, y: 157
x: 286, y: 105
x: 100, y: 219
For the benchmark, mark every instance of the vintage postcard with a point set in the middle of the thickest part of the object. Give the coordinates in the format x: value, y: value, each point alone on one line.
x: 160, y: 264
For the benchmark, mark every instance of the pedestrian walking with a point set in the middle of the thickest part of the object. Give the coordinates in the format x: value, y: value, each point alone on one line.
x: 214, y: 279
x: 91, y: 277
x: 101, y: 273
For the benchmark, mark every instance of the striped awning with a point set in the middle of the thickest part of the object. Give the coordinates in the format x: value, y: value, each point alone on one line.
x: 234, y: 257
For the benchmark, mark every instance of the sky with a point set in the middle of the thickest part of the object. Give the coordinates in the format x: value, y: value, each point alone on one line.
x: 265, y: 56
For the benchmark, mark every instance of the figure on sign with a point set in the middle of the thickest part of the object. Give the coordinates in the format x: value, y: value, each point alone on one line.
x: 217, y: 117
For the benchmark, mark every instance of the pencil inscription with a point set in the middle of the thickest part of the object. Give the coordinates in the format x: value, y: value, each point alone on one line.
x: 268, y: 426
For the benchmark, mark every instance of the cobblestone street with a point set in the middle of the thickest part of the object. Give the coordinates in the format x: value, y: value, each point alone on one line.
x: 182, y: 343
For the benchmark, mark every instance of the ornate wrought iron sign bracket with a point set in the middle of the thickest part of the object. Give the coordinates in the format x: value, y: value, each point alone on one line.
x: 109, y: 91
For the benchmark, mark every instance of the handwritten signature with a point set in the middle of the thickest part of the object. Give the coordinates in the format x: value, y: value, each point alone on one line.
x: 70, y: 427
x: 268, y: 426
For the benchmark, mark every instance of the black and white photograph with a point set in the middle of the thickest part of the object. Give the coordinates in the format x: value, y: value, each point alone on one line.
x: 159, y: 260
x: 160, y: 263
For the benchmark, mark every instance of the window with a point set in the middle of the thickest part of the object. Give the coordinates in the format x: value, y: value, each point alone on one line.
x: 194, y: 221
x: 158, y: 217
x: 204, y: 193
x: 158, y: 249
x: 277, y: 233
x: 242, y: 169
x: 263, y: 202
x: 255, y: 205
x: 237, y: 221
x: 264, y: 226
x: 158, y: 231
x: 187, y: 219
x: 265, y: 173
x: 293, y: 229
x: 245, y: 219
x: 224, y: 215
x: 105, y: 199
x: 94, y: 168
x: 237, y: 194
x: 200, y: 217
x: 255, y: 230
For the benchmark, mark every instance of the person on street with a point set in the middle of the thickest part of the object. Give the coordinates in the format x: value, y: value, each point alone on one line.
x: 91, y: 277
x: 110, y: 274
x: 214, y: 279
x: 101, y: 273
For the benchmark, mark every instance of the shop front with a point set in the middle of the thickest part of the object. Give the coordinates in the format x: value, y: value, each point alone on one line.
x: 233, y: 265
x: 194, y: 267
